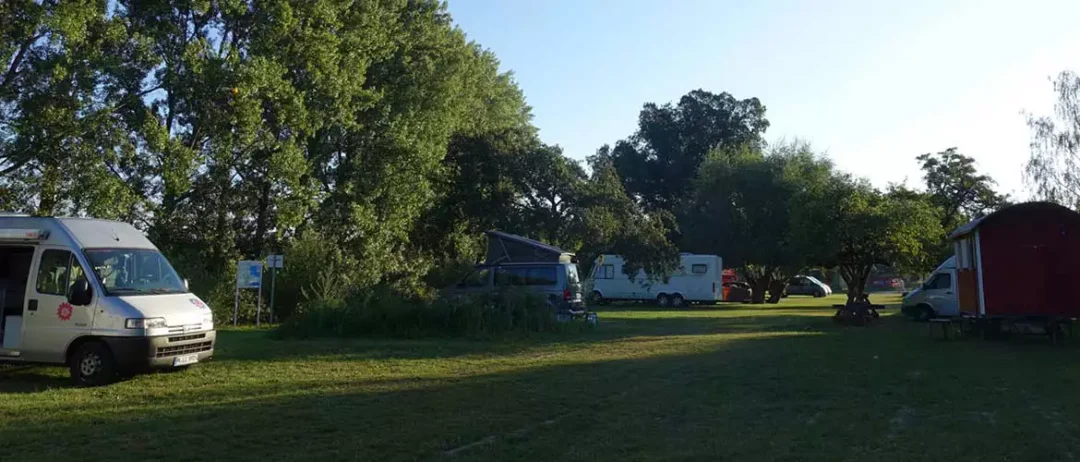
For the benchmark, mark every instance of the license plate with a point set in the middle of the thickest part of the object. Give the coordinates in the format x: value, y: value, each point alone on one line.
x: 184, y: 360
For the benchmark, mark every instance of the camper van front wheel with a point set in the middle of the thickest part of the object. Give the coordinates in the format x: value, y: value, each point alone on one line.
x: 92, y: 365
x: 663, y: 300
x: 677, y: 300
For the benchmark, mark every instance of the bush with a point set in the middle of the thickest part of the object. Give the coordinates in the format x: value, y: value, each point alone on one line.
x: 379, y: 311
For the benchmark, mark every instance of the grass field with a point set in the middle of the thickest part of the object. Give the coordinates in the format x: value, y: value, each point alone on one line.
x: 705, y: 383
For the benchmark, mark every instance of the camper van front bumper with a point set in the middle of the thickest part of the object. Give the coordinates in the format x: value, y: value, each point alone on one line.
x: 162, y: 351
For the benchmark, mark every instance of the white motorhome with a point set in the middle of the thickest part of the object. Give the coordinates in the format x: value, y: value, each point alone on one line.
x: 936, y: 297
x: 697, y: 279
x: 97, y: 296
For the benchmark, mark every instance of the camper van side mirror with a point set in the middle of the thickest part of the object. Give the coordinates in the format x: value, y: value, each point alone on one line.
x: 186, y: 285
x: 80, y: 294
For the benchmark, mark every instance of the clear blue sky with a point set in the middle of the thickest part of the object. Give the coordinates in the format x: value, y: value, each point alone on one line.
x: 871, y: 83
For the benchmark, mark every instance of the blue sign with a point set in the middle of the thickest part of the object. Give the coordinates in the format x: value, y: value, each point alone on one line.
x: 249, y: 274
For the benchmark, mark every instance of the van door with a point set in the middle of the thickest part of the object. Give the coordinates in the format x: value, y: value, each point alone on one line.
x: 51, y: 322
x: 941, y: 293
x: 700, y: 284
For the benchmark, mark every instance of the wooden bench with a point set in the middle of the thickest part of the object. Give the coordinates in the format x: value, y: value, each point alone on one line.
x: 947, y: 324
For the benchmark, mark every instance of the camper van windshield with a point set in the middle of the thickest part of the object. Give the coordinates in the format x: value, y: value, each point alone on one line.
x: 134, y: 271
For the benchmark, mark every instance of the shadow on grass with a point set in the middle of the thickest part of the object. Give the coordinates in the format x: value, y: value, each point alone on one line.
x: 396, y: 419
x: 28, y: 379
x: 260, y: 345
x: 846, y: 395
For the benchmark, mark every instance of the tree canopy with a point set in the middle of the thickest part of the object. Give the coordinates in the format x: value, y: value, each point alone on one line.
x: 375, y: 137
x: 660, y: 160
x: 954, y: 185
x: 1053, y: 169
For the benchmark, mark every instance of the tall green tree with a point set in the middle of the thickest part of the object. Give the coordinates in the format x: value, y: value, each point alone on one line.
x: 1053, y: 169
x: 660, y: 160
x: 611, y: 222
x: 856, y: 227
x: 742, y: 209
x: 64, y: 146
x: 955, y: 186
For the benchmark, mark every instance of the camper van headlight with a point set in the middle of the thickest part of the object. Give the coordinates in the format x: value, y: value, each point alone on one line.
x: 144, y: 323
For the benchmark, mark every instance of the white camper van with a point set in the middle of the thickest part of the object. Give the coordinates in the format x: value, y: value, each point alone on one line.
x: 97, y: 296
x: 698, y: 279
x: 936, y: 297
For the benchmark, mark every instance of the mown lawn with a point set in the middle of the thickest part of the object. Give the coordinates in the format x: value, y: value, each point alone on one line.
x: 706, y: 383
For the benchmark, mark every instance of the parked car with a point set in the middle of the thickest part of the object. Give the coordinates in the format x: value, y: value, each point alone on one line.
x: 557, y: 282
x: 808, y: 285
x: 738, y: 292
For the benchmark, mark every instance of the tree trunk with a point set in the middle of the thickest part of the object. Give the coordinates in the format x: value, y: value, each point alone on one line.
x: 262, y: 220
x: 855, y: 277
x: 776, y: 290
x: 759, y: 286
x: 49, y: 195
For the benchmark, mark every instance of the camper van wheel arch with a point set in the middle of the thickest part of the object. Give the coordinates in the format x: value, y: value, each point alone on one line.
x: 663, y: 300
x: 923, y: 312
x: 91, y: 362
x: 598, y: 298
x: 677, y: 300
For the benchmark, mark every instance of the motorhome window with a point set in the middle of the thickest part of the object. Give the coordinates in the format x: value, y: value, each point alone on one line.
x: 52, y: 277
x: 940, y: 281
x: 699, y: 268
x: 134, y: 271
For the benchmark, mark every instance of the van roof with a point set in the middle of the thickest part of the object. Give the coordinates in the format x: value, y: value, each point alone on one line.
x: 82, y: 232
x: 527, y: 263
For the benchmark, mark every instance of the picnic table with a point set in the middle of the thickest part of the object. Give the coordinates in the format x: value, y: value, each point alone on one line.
x: 858, y: 313
x: 951, y: 324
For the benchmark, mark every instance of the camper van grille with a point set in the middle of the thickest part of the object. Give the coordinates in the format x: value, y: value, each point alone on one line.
x: 182, y: 329
x: 164, y: 352
x: 181, y: 338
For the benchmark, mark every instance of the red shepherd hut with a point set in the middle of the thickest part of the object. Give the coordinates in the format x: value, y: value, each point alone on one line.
x: 1022, y: 261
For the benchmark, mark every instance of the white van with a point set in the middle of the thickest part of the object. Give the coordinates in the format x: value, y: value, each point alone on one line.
x: 97, y: 296
x: 698, y: 279
x: 936, y: 297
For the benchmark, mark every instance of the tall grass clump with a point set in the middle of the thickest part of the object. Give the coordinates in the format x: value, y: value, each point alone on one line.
x: 381, y: 312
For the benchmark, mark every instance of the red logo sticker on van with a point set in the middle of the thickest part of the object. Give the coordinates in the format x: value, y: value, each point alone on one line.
x: 197, y: 302
x: 64, y: 311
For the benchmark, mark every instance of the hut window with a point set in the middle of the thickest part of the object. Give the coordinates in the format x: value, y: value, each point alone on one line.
x: 965, y: 253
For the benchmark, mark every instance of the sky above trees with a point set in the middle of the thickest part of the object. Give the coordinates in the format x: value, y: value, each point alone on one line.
x: 874, y: 84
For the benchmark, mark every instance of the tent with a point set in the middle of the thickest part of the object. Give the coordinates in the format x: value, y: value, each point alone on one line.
x: 508, y: 248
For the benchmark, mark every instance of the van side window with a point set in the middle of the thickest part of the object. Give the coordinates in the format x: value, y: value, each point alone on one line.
x: 478, y: 278
x: 525, y: 276
x: 699, y: 268
x: 52, y: 277
x: 544, y: 276
x: 605, y: 272
x: 941, y: 281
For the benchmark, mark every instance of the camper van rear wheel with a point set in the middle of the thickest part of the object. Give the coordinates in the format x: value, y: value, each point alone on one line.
x: 598, y: 298
x: 663, y: 300
x: 92, y: 365
x: 677, y: 300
